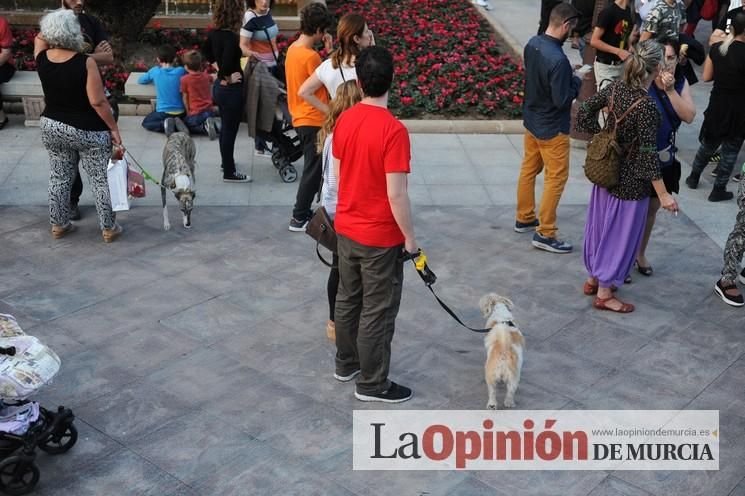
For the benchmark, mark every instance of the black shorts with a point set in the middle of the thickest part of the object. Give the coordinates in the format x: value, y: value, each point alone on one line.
x: 671, y: 178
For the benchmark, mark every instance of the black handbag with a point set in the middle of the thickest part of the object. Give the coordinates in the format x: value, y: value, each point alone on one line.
x: 321, y: 228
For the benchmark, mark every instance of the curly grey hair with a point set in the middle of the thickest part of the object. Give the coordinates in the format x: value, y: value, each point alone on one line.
x: 61, y: 29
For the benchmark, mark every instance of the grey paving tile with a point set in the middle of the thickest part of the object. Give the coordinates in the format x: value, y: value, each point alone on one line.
x: 267, y: 472
x: 133, y: 411
x: 610, y: 344
x: 12, y: 218
x: 612, y: 486
x: 120, y: 472
x: 194, y: 447
x: 208, y: 321
x: 542, y: 483
x: 568, y: 373
x: 739, y: 490
x: 459, y: 195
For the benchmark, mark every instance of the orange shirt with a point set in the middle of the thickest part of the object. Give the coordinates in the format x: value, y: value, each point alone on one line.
x: 300, y: 63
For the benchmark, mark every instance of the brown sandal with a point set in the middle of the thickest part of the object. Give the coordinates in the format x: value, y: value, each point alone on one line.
x: 592, y: 289
x: 601, y: 304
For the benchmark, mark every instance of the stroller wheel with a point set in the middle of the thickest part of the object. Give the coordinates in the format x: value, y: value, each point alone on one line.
x: 288, y: 173
x: 277, y: 159
x: 18, y: 475
x: 54, y: 444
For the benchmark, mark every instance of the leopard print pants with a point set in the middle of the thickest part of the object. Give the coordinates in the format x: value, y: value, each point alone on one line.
x: 66, y: 146
x: 735, y: 246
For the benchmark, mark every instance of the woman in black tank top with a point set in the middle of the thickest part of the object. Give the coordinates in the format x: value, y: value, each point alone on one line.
x: 77, y: 122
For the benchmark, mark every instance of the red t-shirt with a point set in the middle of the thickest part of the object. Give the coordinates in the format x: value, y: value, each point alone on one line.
x: 369, y: 143
x: 6, y: 38
x: 198, y: 88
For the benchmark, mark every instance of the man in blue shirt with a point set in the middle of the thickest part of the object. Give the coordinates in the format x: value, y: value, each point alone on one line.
x: 550, y: 89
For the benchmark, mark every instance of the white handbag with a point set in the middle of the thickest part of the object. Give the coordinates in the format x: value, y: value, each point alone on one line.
x: 117, y: 177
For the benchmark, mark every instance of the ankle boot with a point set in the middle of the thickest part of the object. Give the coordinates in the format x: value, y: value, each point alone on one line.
x: 692, y: 180
x: 720, y: 194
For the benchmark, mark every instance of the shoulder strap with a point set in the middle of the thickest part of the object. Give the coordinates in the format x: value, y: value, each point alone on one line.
x: 628, y: 110
x: 342, y: 73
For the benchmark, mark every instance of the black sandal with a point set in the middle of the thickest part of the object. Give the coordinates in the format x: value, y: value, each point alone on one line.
x: 645, y: 271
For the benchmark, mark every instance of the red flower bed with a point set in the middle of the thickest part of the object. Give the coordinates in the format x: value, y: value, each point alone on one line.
x: 447, y: 60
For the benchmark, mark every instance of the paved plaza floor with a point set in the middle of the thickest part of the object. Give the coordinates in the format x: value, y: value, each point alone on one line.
x: 197, y: 364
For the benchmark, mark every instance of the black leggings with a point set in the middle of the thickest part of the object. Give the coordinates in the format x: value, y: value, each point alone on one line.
x: 333, y: 285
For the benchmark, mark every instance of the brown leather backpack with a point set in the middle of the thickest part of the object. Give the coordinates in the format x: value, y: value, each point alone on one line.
x: 604, y: 154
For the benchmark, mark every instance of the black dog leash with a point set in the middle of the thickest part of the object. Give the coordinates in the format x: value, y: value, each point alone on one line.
x: 429, y: 278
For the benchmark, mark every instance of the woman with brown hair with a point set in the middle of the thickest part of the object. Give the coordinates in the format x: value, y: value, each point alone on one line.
x: 347, y: 95
x: 354, y: 35
x: 616, y: 216
x: 222, y: 48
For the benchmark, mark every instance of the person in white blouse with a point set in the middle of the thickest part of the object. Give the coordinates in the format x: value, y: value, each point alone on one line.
x: 354, y: 35
x: 347, y: 95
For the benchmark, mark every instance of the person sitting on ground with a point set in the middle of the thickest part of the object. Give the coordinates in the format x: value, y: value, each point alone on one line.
x: 7, y: 64
x: 724, y: 120
x: 196, y: 88
x: 354, y: 36
x: 672, y: 95
x: 77, y: 123
x: 169, y: 105
x: 348, y: 94
x: 611, y: 40
x: 372, y: 155
x: 615, y: 216
x: 259, y: 40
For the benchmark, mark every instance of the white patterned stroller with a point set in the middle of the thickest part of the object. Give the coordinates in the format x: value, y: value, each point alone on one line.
x: 25, y: 366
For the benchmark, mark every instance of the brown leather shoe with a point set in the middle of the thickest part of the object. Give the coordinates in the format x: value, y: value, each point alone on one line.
x: 110, y: 235
x: 59, y: 231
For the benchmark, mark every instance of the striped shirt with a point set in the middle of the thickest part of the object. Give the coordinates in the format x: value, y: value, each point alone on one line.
x: 261, y: 30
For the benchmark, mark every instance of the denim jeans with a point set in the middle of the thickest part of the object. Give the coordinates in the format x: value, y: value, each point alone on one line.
x: 154, y: 121
x: 230, y: 101
x: 195, y: 122
x: 730, y: 149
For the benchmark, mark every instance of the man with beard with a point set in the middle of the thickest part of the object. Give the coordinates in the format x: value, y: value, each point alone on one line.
x: 98, y: 48
x: 550, y: 88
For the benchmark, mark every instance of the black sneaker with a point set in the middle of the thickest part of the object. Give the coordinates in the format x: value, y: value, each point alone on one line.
x: 692, y: 180
x: 523, y: 227
x: 735, y: 301
x: 74, y: 212
x: 741, y: 277
x: 298, y: 225
x: 237, y: 177
x: 737, y: 177
x: 554, y: 245
x: 394, y: 394
x: 169, y: 126
x: 348, y: 377
x: 718, y: 195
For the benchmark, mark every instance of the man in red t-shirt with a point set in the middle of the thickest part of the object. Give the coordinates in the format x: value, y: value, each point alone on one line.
x: 373, y: 222
x: 7, y: 66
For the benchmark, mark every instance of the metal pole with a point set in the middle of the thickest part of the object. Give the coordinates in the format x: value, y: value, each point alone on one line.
x: 588, y: 82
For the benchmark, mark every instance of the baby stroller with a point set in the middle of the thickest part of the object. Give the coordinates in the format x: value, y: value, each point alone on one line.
x: 269, y: 118
x: 25, y: 366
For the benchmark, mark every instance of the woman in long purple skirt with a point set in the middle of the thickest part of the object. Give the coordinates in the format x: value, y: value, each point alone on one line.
x: 616, y: 216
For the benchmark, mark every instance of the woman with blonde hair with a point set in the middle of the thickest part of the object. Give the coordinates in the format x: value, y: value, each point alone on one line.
x: 347, y: 95
x: 616, y: 216
x: 223, y: 48
x: 354, y: 36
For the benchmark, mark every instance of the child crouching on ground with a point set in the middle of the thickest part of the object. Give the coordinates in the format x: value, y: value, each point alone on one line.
x: 196, y: 88
x: 169, y: 107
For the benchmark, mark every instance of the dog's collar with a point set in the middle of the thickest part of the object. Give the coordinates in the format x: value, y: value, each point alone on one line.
x: 508, y: 323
